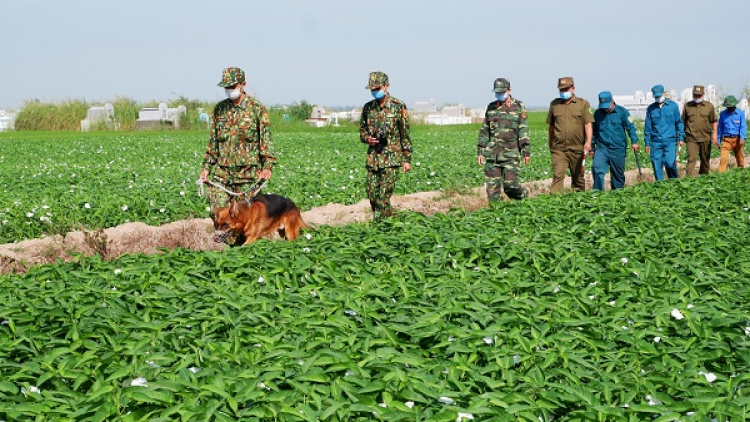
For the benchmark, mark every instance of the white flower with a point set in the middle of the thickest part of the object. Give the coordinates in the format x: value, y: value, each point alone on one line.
x: 516, y: 359
x: 87, y: 205
x: 657, y: 339
x: 152, y: 364
x: 591, y: 297
x: 306, y: 250
x: 313, y: 293
x: 261, y: 280
x: 308, y: 236
x: 747, y: 331
x: 349, y: 373
x: 182, y: 193
x: 432, y: 173
x: 139, y: 382
x: 32, y: 389
x: 464, y: 416
x: 451, y: 338
x: 690, y: 306
x: 262, y: 386
x: 382, y: 405
x: 557, y: 289
x: 652, y: 401
x: 29, y: 214
x: 612, y: 303
x: 488, y: 340
x: 624, y: 261
x: 446, y: 400
x: 194, y: 369
x: 117, y: 271
x: 676, y: 314
x: 350, y: 312
x: 162, y: 209
x: 409, y: 404
x: 124, y: 208
x: 710, y: 377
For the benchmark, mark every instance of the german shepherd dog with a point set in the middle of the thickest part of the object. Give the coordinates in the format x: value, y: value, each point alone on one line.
x: 258, y: 217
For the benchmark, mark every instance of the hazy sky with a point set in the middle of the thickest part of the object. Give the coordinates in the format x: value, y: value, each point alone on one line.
x: 322, y: 51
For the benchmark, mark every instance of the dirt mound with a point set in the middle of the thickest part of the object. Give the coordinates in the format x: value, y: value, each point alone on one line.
x: 196, y: 234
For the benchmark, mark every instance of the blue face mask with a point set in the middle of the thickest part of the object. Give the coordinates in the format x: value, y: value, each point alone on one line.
x: 501, y: 96
x: 377, y: 94
x: 566, y: 95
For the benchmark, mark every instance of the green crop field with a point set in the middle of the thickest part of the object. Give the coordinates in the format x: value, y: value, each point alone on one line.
x: 56, y: 182
x: 595, y: 306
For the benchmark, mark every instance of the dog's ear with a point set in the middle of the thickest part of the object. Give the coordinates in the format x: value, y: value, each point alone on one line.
x: 234, y: 210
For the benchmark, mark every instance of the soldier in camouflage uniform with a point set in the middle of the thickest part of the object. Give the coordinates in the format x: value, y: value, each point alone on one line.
x: 239, y: 149
x: 503, y: 142
x: 384, y: 127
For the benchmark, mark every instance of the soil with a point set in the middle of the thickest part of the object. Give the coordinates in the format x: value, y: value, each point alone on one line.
x: 196, y: 234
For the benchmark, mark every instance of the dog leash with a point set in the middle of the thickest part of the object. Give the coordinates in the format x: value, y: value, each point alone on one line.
x: 258, y: 187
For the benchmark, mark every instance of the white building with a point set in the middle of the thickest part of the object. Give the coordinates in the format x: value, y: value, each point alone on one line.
x: 7, y: 120
x: 449, y: 115
x: 157, y: 116
x: 99, y: 115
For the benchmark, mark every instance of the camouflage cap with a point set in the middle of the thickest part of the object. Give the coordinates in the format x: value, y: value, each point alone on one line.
x: 232, y: 76
x: 565, y: 82
x: 377, y: 79
x: 501, y: 85
x: 730, y: 101
x: 699, y: 90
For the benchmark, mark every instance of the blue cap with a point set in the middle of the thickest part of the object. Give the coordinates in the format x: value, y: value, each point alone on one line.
x: 658, y: 90
x: 605, y: 99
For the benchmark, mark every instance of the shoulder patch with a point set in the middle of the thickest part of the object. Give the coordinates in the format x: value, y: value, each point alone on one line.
x: 523, y: 115
x: 630, y: 119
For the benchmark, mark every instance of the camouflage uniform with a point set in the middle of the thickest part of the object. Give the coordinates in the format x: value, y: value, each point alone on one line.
x: 503, y: 140
x: 390, y: 122
x: 240, y: 143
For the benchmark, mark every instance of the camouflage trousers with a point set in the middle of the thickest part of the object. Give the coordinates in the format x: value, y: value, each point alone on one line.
x: 503, y: 175
x: 379, y: 186
x: 217, y: 199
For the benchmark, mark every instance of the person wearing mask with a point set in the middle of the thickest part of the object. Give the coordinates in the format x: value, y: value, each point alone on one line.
x: 384, y: 127
x: 239, y: 150
x: 569, y: 119
x: 612, y: 125
x: 663, y: 130
x: 503, y: 142
x: 699, y: 117
x: 731, y: 133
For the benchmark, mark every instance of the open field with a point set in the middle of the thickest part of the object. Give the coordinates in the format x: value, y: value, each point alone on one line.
x: 596, y: 306
x: 55, y: 182
x: 628, y: 305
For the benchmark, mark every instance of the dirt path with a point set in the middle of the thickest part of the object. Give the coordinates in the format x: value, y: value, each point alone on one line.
x: 196, y: 234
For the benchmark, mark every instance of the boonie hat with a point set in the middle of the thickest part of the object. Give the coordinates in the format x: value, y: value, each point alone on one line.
x: 605, y: 99
x: 699, y: 90
x: 232, y: 76
x: 658, y: 90
x: 377, y: 79
x: 565, y: 82
x: 730, y: 101
x: 501, y: 85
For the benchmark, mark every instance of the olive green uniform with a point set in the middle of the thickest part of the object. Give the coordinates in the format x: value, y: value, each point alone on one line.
x: 568, y: 119
x: 699, y: 119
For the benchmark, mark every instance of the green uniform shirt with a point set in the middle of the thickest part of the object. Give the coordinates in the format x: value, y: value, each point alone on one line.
x: 699, y: 119
x: 504, y: 131
x: 240, y: 141
x: 390, y: 121
x: 568, y: 121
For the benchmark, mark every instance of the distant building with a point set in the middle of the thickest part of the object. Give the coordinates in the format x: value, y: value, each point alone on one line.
x: 449, y: 115
x: 156, y: 117
x: 7, y: 120
x: 101, y: 116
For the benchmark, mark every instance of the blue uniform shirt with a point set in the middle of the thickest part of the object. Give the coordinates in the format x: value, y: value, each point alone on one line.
x: 663, y: 123
x: 610, y: 129
x: 731, y: 124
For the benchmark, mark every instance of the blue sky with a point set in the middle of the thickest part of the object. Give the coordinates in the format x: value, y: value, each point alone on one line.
x: 322, y: 51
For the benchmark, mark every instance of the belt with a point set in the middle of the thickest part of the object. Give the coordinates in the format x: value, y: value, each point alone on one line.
x: 731, y: 136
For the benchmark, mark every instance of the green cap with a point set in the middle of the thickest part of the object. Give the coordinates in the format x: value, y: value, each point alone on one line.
x: 232, y: 76
x: 377, y: 79
x: 730, y: 101
x: 501, y: 85
x: 699, y: 90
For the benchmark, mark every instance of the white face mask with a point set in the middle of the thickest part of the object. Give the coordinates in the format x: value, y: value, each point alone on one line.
x: 698, y: 100
x: 660, y: 99
x: 233, y: 94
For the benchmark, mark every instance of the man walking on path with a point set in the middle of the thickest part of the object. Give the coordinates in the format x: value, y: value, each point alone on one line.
x: 610, y: 144
x: 699, y: 117
x: 569, y: 119
x: 503, y: 142
x: 731, y: 133
x: 662, y: 131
